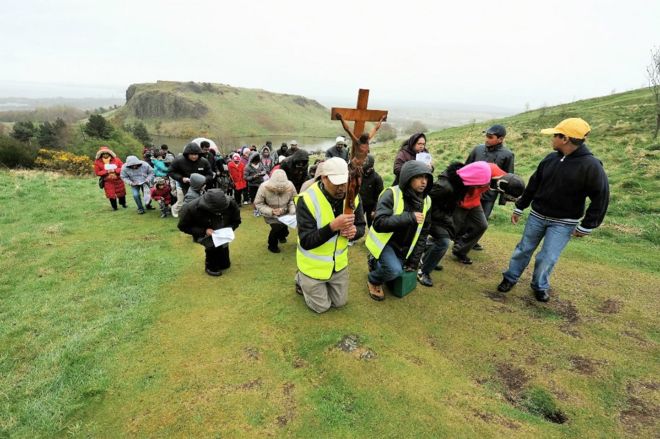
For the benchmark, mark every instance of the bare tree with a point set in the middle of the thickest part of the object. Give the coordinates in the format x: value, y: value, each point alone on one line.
x: 653, y: 71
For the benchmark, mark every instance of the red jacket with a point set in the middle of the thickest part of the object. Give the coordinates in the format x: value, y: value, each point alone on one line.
x: 236, y: 173
x: 473, y: 197
x: 164, y: 193
x: 112, y: 184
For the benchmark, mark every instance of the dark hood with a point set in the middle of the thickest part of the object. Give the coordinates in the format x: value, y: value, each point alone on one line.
x: 264, y: 148
x: 410, y: 143
x: 580, y: 152
x: 192, y: 148
x: 253, y: 155
x: 299, y: 156
x: 369, y: 163
x: 197, y: 181
x: 409, y: 170
x: 214, y: 201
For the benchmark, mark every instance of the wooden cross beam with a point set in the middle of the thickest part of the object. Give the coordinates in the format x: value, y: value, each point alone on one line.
x: 359, y: 115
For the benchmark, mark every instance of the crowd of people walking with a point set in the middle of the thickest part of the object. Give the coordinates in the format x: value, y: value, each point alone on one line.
x: 408, y: 227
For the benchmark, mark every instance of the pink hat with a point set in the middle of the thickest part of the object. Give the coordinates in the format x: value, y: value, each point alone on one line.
x: 235, y: 156
x: 475, y: 174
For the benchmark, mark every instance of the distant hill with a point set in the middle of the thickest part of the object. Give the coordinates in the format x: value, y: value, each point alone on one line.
x: 190, y: 109
x: 28, y: 104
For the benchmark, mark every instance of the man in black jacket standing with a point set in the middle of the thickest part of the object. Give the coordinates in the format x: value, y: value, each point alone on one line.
x: 492, y: 151
x: 187, y: 163
x: 557, y: 192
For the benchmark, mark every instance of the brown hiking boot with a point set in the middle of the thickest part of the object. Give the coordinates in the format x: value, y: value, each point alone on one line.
x: 376, y: 291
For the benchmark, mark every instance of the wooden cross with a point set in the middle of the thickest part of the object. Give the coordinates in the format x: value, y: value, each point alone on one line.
x: 359, y: 115
x: 360, y: 146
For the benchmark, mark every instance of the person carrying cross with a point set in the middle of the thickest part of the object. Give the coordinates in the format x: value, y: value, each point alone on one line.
x: 323, y: 235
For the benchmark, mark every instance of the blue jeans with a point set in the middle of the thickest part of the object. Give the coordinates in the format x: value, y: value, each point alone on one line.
x: 434, y: 254
x: 555, y: 236
x: 137, y: 196
x: 388, y: 267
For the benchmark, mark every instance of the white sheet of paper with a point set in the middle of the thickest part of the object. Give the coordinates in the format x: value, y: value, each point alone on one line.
x: 289, y: 220
x: 424, y: 157
x: 222, y: 236
x: 110, y: 167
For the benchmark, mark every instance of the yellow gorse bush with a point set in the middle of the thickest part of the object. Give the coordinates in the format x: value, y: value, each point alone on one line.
x: 64, y: 162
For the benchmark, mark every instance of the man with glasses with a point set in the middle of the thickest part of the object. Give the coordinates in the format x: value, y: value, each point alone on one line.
x: 492, y: 151
x: 557, y: 192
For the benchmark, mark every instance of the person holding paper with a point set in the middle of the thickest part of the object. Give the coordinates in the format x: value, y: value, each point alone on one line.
x: 108, y: 167
x: 323, y: 235
x: 409, y: 149
x: 275, y: 199
x: 204, y: 215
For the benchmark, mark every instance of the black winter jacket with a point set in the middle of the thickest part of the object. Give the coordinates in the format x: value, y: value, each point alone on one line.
x: 296, y: 167
x: 213, y: 210
x: 404, y: 226
x: 559, y: 188
x: 501, y: 156
x: 182, y: 167
x: 371, y: 187
x: 447, y: 192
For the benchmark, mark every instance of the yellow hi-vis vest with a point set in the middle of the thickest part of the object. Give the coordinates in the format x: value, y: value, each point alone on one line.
x: 320, y: 262
x: 376, y: 241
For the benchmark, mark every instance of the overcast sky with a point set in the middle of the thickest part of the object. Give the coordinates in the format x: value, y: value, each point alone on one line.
x: 505, y: 53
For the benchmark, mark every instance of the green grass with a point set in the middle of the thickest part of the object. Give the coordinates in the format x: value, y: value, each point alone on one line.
x: 109, y: 327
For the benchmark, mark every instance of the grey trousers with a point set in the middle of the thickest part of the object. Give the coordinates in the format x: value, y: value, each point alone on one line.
x: 471, y: 224
x: 320, y: 295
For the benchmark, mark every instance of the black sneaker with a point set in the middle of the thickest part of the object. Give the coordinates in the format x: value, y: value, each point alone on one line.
x: 274, y: 249
x: 424, y: 279
x: 282, y: 240
x: 477, y: 247
x: 213, y: 273
x: 150, y: 207
x: 438, y: 267
x: 140, y: 211
x: 542, y: 295
x: 463, y: 259
x: 505, y: 286
x: 371, y: 263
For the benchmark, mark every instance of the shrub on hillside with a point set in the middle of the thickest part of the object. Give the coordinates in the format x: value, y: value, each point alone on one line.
x: 24, y: 131
x: 16, y: 154
x: 416, y: 127
x: 98, y: 127
x: 63, y: 161
x: 121, y: 142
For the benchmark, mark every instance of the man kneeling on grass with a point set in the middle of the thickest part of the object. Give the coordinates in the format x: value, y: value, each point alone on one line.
x: 199, y: 218
x: 323, y: 235
x: 397, y: 238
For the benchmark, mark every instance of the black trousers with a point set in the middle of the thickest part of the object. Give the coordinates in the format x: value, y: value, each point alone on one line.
x: 277, y: 232
x: 238, y: 196
x: 368, y: 210
x: 471, y: 224
x: 217, y: 258
x: 253, y: 192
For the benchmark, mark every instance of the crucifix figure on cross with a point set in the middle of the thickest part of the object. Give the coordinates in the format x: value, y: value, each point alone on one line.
x: 360, y: 140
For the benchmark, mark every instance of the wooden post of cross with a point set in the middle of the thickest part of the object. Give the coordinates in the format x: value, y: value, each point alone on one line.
x: 360, y: 146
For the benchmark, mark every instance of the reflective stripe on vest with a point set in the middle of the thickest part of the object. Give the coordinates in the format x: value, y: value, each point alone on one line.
x: 376, y: 241
x: 331, y: 256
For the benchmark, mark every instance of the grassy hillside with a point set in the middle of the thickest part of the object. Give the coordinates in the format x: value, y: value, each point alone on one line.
x: 109, y: 326
x: 187, y: 109
x: 622, y: 125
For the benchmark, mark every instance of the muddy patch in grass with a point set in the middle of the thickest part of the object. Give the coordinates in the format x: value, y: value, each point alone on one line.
x: 299, y: 363
x: 641, y: 414
x: 513, y: 378
x: 583, y: 365
x: 496, y: 296
x: 566, y: 309
x: 252, y: 353
x: 493, y: 419
x: 351, y: 344
x: 250, y: 385
x: 289, y: 405
x: 534, y: 400
x: 610, y: 306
